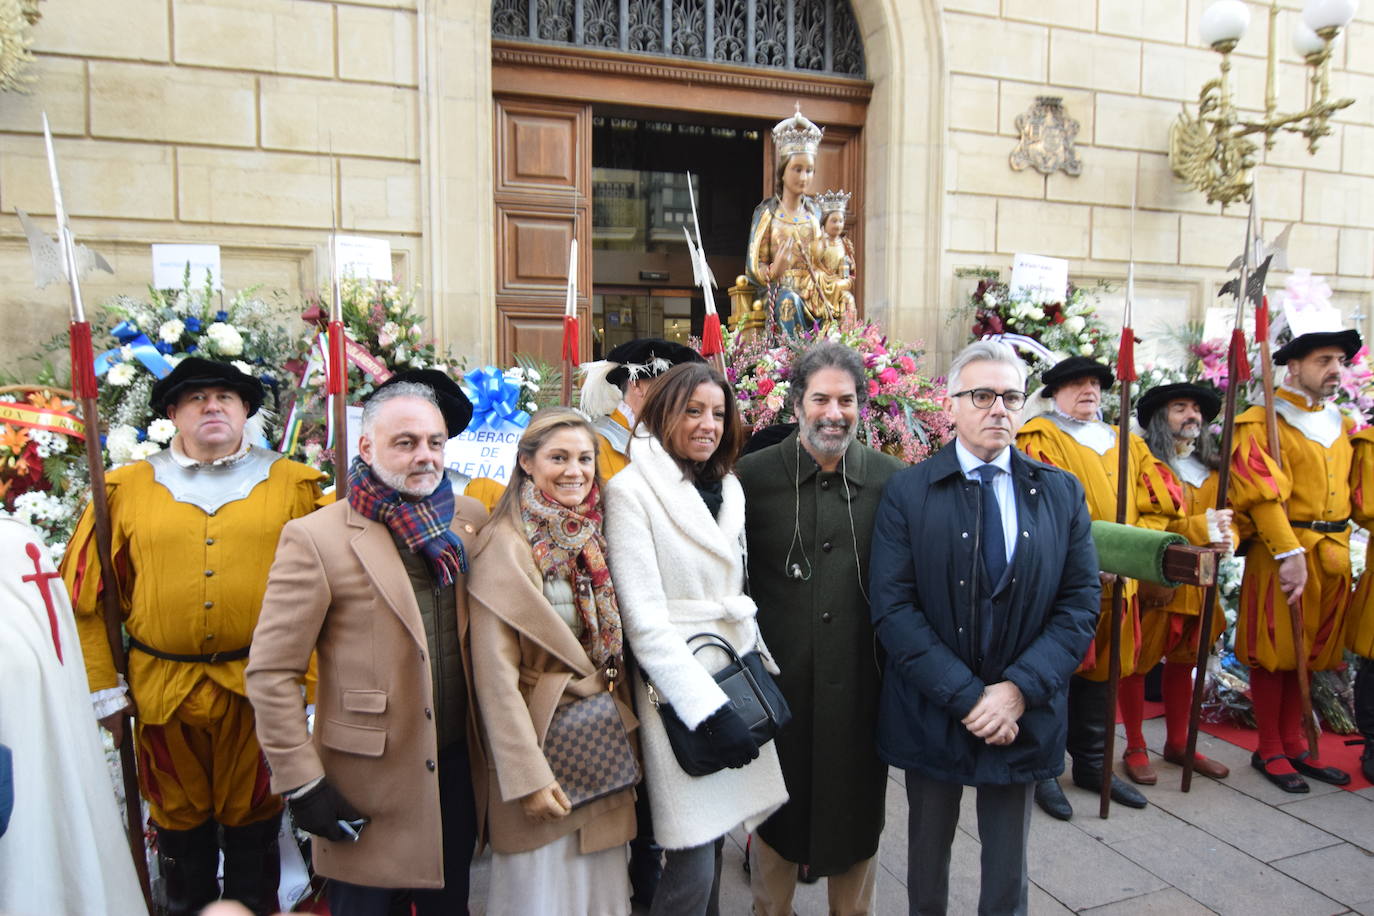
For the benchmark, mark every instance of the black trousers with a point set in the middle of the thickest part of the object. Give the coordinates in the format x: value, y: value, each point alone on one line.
x: 458, y: 817
x: 1003, y: 829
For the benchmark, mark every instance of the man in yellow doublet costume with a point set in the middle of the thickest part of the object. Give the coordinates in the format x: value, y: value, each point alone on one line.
x: 627, y: 371
x: 1359, y: 628
x: 1072, y: 437
x: 194, y: 534
x: 1174, y: 418
x: 1300, y: 510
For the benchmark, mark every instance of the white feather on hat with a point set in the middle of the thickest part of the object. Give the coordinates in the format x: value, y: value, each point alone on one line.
x: 598, y: 398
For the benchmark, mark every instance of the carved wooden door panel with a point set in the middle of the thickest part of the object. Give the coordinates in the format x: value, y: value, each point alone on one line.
x: 543, y: 200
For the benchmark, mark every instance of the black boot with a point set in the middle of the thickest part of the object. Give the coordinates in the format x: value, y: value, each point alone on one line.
x: 252, y: 865
x: 646, y: 856
x: 1088, y: 741
x: 1050, y: 797
x: 189, y: 860
x: 1364, y: 714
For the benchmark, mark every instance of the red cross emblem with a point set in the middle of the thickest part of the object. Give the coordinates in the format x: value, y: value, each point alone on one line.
x: 40, y: 579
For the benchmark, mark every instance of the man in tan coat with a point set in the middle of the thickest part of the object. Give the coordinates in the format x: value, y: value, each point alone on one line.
x: 375, y: 583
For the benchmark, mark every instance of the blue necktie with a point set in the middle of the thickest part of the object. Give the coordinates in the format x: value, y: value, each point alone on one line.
x: 994, y: 541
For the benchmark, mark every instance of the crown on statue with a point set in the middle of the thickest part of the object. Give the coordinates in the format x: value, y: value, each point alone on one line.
x: 833, y: 201
x: 796, y: 135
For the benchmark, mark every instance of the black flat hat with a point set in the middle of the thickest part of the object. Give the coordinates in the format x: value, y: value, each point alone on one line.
x: 193, y: 373
x: 1075, y: 367
x: 650, y: 357
x: 1347, y: 339
x: 1208, y: 401
x: 453, y: 404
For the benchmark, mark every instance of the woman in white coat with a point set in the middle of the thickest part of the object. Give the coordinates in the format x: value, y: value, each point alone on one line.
x: 675, y: 529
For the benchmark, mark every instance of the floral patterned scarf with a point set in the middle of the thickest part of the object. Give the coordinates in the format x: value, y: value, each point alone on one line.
x: 568, y: 544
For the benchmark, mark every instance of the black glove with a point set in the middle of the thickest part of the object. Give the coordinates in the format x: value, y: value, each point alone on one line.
x: 730, y: 737
x: 319, y: 811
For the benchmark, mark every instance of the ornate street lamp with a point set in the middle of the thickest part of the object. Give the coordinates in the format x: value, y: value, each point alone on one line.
x: 1211, y: 151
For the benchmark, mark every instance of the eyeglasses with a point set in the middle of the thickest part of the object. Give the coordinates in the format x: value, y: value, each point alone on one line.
x: 983, y: 397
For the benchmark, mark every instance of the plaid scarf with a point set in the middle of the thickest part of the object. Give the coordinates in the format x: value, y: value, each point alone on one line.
x: 423, y: 524
x: 568, y: 544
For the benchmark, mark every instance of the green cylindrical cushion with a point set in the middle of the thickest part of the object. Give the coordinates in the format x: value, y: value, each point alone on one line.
x: 1136, y: 553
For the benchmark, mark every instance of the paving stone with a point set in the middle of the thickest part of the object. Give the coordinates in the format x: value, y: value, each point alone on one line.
x: 1219, y: 876
x: 1078, y: 870
x: 1230, y: 815
x: 1168, y: 902
x: 1343, y: 872
x: 1124, y: 826
x: 1349, y: 815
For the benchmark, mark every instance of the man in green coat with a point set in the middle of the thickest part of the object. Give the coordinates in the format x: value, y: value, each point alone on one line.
x: 810, y: 501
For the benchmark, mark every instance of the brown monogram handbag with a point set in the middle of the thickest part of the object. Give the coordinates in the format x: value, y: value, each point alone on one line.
x: 588, y: 750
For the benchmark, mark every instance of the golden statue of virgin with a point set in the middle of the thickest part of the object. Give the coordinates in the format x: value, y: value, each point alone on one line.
x: 784, y: 228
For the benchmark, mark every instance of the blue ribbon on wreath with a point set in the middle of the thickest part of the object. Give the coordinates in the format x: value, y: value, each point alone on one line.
x: 495, y: 400
x: 128, y: 335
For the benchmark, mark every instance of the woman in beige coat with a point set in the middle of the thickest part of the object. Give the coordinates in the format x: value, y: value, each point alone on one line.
x: 545, y: 632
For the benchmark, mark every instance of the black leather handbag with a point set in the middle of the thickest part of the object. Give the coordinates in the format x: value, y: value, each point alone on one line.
x: 752, y: 693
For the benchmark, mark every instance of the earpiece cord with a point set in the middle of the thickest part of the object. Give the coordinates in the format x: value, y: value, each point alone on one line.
x: 853, y: 534
x: 790, y: 569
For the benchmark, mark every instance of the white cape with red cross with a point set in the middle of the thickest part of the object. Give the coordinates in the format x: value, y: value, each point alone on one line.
x: 65, y: 850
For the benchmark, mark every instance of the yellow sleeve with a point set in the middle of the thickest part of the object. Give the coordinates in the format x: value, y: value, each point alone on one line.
x: 1033, y: 440
x: 1192, y: 527
x: 1260, y: 488
x: 486, y: 491
x: 1159, y: 494
x: 1362, y: 478
x: 81, y: 572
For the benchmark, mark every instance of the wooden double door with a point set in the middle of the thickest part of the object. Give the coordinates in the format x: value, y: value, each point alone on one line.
x: 543, y: 165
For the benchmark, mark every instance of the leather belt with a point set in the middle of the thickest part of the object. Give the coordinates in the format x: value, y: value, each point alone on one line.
x: 1324, y: 527
x: 231, y: 655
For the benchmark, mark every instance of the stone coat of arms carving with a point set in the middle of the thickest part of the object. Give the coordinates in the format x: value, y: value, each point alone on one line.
x: 1047, y: 139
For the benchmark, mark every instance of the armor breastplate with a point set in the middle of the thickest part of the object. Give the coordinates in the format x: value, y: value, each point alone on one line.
x: 1093, y: 434
x: 211, y: 487
x: 1191, y: 471
x: 617, y: 435
x: 1321, y: 426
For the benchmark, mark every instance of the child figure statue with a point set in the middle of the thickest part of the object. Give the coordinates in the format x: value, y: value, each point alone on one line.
x: 832, y: 260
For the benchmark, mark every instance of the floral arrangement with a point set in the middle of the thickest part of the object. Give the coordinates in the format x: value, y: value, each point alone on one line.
x: 1041, y: 327
x: 902, y: 416
x: 43, y: 477
x: 384, y: 323
x: 145, y: 338
x: 150, y: 337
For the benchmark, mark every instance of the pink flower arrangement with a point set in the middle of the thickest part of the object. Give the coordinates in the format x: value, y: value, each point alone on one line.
x: 902, y: 416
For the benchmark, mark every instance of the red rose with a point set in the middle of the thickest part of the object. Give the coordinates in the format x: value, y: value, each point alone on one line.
x: 765, y: 386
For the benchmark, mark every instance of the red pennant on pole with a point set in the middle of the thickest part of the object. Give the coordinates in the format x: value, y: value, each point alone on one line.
x: 712, y: 341
x: 1262, y: 320
x: 1236, y: 355
x: 338, y: 364
x: 570, y: 342
x: 1125, y: 357
x: 83, y: 360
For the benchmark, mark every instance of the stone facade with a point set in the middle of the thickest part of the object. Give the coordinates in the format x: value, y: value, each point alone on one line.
x: 216, y: 121
x: 1123, y: 68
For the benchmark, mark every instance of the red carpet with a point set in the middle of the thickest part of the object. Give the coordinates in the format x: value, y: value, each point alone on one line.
x: 1334, y: 751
